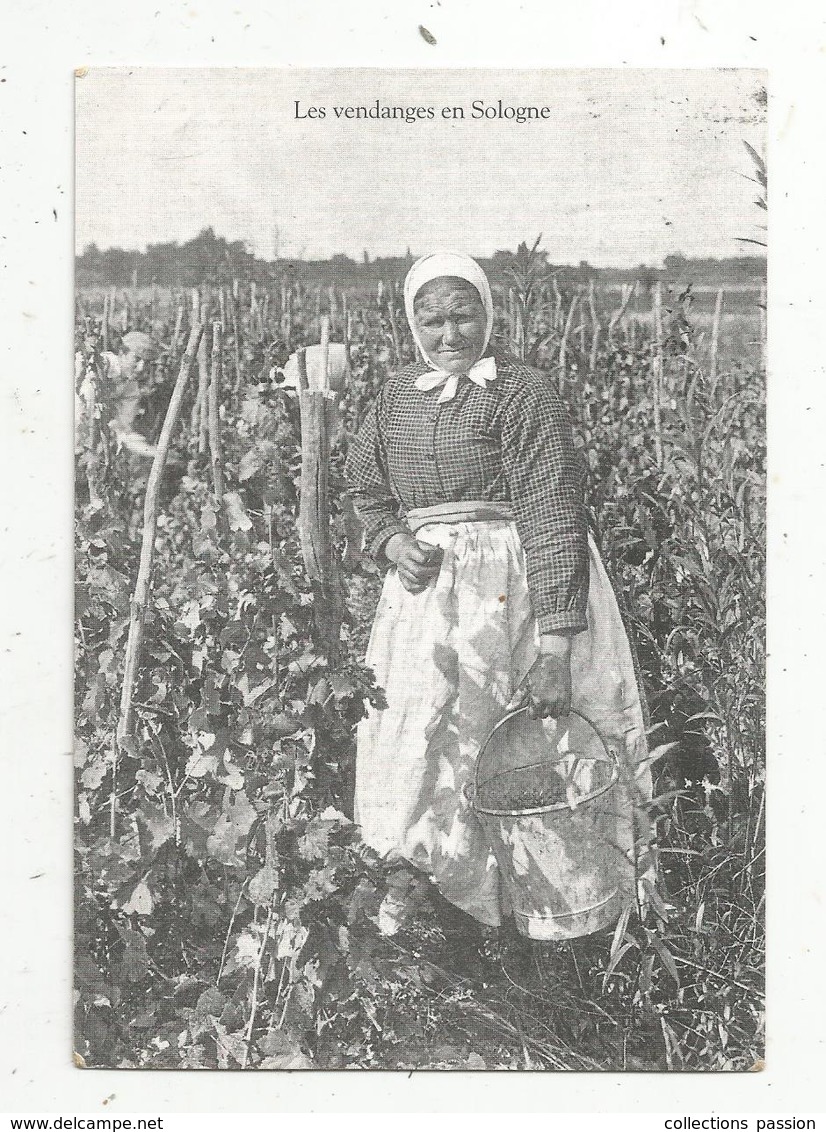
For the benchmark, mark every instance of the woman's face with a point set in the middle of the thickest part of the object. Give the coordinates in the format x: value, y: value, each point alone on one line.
x: 451, y: 323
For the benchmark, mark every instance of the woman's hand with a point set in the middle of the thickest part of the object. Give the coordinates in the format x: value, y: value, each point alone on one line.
x: 549, y: 681
x: 417, y: 563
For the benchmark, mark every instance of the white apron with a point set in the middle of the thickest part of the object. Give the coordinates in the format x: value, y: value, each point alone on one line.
x: 451, y: 659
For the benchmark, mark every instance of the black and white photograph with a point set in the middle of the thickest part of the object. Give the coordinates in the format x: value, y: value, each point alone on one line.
x: 420, y: 553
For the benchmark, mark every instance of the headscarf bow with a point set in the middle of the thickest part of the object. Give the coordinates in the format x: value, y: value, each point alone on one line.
x: 436, y: 266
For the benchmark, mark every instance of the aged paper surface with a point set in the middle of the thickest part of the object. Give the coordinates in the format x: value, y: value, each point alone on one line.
x: 317, y: 844
x: 217, y: 851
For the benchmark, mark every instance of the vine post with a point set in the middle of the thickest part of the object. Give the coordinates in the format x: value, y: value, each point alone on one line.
x: 143, y: 583
x: 286, y: 313
x: 557, y: 305
x: 194, y: 319
x: 631, y: 332
x: 214, y: 426
x: 657, y: 370
x: 236, y: 347
x: 314, y: 509
x: 592, y: 306
x: 715, y: 336
x: 92, y: 404
x: 626, y: 293
x: 563, y: 344
x: 325, y: 354
x: 203, y: 388
x: 346, y: 325
x: 104, y: 329
x: 176, y: 333
x: 394, y: 327
x: 519, y: 343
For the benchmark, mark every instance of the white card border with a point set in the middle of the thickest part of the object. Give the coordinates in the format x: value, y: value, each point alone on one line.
x: 36, y: 256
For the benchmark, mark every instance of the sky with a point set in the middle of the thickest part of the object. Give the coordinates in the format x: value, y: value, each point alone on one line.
x: 627, y: 167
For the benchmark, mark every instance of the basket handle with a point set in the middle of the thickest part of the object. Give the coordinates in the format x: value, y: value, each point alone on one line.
x: 523, y: 707
x: 519, y: 710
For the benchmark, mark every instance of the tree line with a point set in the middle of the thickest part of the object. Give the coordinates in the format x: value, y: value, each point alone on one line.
x: 212, y: 258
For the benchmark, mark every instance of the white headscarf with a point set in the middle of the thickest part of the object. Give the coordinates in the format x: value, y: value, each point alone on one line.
x: 437, y: 266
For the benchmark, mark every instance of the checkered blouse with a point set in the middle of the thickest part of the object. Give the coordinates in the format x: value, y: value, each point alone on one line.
x: 510, y: 442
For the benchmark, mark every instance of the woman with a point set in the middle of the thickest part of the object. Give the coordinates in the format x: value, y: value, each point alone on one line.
x: 470, y: 489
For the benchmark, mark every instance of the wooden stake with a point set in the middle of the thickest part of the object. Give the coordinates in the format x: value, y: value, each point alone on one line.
x: 520, y: 335
x: 563, y: 345
x: 394, y: 330
x: 592, y: 360
x: 93, y: 378
x: 143, y: 583
x: 286, y: 316
x: 715, y: 336
x: 314, y: 509
x: 194, y: 318
x: 214, y: 425
x: 592, y: 307
x: 324, y: 377
x: 236, y: 346
x: 764, y: 309
x: 203, y: 389
x: 105, y: 322
x: 314, y: 521
x: 176, y: 334
x: 627, y: 292
x: 657, y: 371
x: 346, y: 325
x: 557, y: 305
x: 301, y: 361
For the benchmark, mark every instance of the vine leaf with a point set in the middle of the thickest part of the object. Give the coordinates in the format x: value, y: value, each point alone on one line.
x: 140, y: 902
x: 264, y: 885
x: 314, y: 844
x: 237, y: 516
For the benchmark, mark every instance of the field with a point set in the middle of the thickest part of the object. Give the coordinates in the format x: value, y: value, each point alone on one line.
x: 226, y: 909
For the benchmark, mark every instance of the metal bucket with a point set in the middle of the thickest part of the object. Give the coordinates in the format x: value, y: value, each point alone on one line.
x: 552, y: 823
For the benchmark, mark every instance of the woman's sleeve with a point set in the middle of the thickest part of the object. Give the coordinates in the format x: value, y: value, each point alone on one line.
x: 546, y: 482
x: 365, y: 471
